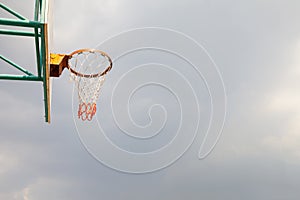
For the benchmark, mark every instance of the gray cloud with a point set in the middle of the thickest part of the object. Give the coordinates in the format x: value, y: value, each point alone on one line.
x: 256, y: 46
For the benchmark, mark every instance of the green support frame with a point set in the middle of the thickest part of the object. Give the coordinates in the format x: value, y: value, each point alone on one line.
x: 39, y: 32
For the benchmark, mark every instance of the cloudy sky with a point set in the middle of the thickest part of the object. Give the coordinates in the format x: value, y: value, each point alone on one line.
x: 163, y: 104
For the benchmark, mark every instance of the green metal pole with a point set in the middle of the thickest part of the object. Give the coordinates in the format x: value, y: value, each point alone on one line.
x: 19, y: 77
x: 37, y: 38
x: 43, y: 11
x: 23, y: 23
x: 36, y: 10
x: 16, y: 66
x: 12, y: 12
x: 37, y: 51
x: 16, y: 33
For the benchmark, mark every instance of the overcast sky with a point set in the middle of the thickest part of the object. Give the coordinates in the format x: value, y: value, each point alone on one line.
x: 158, y: 104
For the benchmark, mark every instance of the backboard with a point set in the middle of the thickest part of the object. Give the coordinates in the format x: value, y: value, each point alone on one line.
x: 48, y: 37
x: 44, y: 15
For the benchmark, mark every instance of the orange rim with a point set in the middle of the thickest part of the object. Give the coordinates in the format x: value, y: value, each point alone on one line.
x: 90, y: 75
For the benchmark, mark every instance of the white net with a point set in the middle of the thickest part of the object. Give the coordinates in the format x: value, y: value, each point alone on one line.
x: 88, y: 69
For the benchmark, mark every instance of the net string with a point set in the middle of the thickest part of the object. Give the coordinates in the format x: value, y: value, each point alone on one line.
x: 88, y: 88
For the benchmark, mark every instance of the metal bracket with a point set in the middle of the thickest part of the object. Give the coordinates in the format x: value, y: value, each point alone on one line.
x: 58, y: 62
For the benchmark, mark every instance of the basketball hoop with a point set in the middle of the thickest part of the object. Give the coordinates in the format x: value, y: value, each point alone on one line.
x: 88, y: 68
